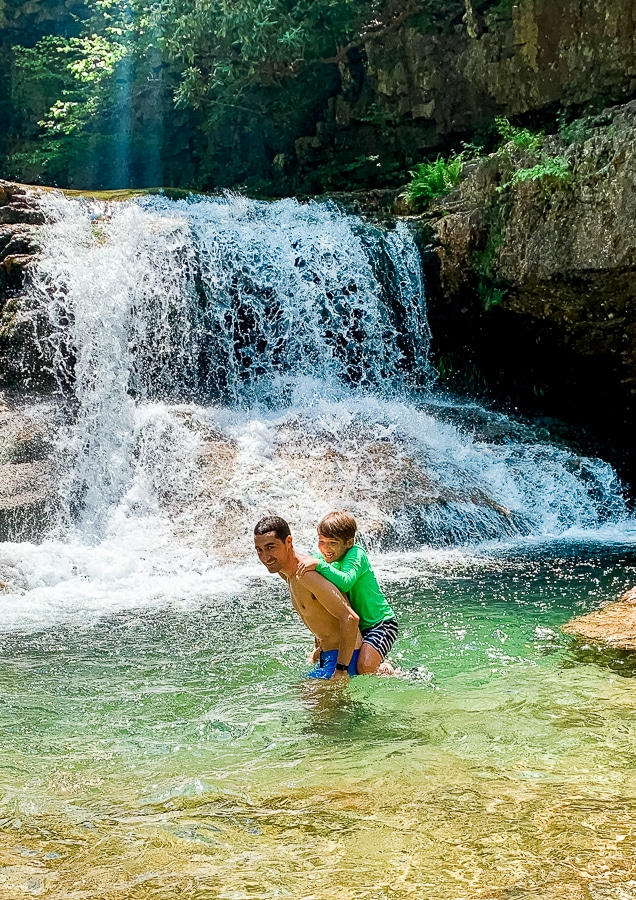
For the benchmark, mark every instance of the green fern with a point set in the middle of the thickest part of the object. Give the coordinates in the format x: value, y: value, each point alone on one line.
x: 433, y: 179
x: 555, y: 167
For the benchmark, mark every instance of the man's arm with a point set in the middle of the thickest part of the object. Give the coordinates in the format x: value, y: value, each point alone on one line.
x: 333, y: 601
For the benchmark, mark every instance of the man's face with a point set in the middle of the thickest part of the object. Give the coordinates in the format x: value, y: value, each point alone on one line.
x: 333, y: 548
x: 272, y: 552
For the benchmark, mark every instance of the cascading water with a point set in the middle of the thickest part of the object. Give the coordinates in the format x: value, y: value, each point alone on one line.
x: 223, y: 359
x: 224, y: 301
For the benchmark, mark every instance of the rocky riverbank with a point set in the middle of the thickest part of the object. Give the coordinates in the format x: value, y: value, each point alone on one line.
x: 533, y: 282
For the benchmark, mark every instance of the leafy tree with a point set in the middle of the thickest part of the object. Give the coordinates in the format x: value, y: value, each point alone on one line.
x: 68, y: 81
x: 227, y: 47
x: 249, y: 76
x: 80, y: 93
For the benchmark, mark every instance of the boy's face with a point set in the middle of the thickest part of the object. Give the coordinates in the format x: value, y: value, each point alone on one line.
x: 333, y: 548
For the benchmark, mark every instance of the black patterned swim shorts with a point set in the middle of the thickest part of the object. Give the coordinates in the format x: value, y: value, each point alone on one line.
x: 381, y: 636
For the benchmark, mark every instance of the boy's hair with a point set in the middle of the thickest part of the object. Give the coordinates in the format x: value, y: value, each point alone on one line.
x: 273, y: 523
x: 338, y: 525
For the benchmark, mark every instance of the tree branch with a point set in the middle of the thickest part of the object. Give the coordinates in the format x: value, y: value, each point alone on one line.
x: 372, y: 35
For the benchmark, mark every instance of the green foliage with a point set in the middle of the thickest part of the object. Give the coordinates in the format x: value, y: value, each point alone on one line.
x: 519, y: 138
x: 66, y: 86
x: 362, y: 170
x: 489, y: 294
x: 505, y: 6
x: 227, y: 48
x: 257, y: 70
x: 551, y: 169
x: 556, y: 168
x: 79, y: 69
x: 433, y: 179
x: 488, y: 289
x: 575, y: 132
x: 379, y: 119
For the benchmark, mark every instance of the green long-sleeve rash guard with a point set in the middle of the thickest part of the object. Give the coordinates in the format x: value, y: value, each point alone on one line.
x: 352, y: 574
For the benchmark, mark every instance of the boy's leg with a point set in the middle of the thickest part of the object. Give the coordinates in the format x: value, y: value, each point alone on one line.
x: 368, y: 660
x: 376, y: 643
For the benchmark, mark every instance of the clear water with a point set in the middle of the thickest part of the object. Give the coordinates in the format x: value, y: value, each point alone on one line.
x: 158, y: 737
x: 178, y: 752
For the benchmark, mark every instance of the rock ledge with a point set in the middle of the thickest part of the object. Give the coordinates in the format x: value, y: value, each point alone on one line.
x: 613, y: 626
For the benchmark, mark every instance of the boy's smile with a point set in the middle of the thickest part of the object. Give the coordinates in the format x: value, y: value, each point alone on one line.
x: 333, y: 549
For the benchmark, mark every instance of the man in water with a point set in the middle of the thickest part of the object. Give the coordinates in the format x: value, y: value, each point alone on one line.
x: 321, y: 606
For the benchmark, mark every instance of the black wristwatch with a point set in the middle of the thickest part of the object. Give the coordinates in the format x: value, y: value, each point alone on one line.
x: 341, y: 667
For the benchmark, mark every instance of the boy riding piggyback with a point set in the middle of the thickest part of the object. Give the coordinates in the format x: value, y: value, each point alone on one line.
x: 346, y: 565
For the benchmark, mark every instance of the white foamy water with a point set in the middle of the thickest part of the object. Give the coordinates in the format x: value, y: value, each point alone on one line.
x: 225, y: 359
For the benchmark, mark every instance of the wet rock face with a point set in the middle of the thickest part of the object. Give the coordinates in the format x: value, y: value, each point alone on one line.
x: 19, y: 226
x: 27, y: 473
x: 518, y: 57
x: 536, y: 282
x: 427, y: 82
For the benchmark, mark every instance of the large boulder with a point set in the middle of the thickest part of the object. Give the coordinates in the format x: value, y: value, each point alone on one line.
x: 612, y: 626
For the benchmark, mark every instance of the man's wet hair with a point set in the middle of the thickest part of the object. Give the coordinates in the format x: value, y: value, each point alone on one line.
x: 273, y: 523
x: 339, y: 526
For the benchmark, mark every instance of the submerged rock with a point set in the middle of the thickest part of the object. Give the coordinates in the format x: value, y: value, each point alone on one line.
x: 614, y: 625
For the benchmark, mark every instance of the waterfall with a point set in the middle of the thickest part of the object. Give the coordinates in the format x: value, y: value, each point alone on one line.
x: 226, y: 358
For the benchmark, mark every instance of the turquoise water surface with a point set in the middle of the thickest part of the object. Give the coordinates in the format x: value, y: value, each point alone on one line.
x: 178, y: 752
x: 218, y: 360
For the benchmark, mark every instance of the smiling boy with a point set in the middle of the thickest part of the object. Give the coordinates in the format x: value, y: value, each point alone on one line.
x: 347, y: 566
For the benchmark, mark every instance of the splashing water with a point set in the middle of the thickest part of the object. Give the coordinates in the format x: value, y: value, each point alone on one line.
x: 225, y: 358
x: 221, y: 359
x: 297, y: 335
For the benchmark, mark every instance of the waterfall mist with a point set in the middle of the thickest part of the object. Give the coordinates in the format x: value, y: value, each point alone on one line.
x: 222, y: 359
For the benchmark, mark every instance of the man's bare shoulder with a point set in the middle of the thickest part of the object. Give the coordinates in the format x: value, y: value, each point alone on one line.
x: 311, y: 580
x: 321, y: 588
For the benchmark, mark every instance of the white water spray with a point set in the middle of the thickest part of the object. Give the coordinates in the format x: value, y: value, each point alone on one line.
x: 224, y: 359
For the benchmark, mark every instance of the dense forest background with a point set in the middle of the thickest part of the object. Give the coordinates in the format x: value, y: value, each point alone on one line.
x: 120, y: 93
x: 207, y: 94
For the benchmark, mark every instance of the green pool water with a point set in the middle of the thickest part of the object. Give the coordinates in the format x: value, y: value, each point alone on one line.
x: 174, y: 752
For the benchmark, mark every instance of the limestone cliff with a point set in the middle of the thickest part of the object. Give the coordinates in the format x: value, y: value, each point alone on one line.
x: 536, y: 290
x: 428, y: 84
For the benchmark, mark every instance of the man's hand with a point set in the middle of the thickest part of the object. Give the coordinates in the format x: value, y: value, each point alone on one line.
x: 306, y: 564
x: 339, y: 674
